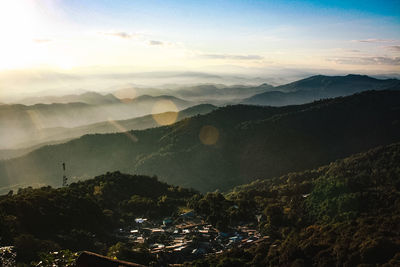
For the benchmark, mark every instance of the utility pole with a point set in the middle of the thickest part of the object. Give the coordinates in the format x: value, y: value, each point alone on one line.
x: 64, y: 181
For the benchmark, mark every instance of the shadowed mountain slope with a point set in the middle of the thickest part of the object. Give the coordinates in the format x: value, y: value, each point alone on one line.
x: 342, y: 214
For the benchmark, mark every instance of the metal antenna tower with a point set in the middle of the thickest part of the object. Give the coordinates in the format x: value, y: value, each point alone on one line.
x: 64, y: 182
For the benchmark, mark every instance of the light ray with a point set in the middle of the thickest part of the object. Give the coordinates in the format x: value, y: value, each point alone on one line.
x: 122, y: 129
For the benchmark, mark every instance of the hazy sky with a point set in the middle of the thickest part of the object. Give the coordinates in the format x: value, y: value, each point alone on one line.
x: 115, y: 36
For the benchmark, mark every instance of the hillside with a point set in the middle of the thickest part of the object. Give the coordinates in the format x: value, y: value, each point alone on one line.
x: 320, y: 87
x: 227, y: 147
x: 14, y: 153
x: 50, y: 136
x: 345, y: 213
x: 84, y: 215
x: 342, y: 214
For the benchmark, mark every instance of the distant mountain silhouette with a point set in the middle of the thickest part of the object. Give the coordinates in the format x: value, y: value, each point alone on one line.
x: 221, y: 92
x: 145, y: 100
x: 320, y: 87
x: 92, y: 98
x: 217, y: 94
x: 227, y: 147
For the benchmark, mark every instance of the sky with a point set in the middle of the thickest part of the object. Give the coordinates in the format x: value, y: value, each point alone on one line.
x: 52, y: 44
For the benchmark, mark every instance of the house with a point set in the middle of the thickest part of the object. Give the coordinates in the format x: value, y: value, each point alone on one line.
x: 140, y: 220
x: 189, y: 214
x: 167, y: 221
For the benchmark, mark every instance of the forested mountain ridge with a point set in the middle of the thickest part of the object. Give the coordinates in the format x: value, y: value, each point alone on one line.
x: 250, y: 142
x: 342, y: 214
x: 137, y: 123
x: 62, y: 134
x: 319, y: 87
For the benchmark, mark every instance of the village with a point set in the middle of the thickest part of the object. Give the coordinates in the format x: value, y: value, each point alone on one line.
x: 187, y: 237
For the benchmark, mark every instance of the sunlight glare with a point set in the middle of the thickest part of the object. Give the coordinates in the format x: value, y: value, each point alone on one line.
x: 209, y: 135
x: 36, y: 119
x: 19, y: 24
x: 126, y: 95
x: 159, y: 114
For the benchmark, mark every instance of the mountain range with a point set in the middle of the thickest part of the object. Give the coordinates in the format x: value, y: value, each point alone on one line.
x: 222, y: 93
x: 91, y: 98
x: 227, y: 147
x: 320, y: 87
x: 19, y: 124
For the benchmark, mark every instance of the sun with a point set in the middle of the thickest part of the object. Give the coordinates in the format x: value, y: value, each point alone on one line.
x: 19, y: 24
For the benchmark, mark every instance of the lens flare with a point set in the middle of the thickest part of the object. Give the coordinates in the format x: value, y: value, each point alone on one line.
x: 209, y: 135
x: 165, y: 112
x: 126, y: 95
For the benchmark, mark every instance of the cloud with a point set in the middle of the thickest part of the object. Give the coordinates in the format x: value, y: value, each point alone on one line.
x: 395, y: 48
x: 373, y: 40
x: 124, y: 35
x: 233, y: 57
x: 153, y: 42
x: 367, y: 60
x: 40, y: 41
x: 137, y: 36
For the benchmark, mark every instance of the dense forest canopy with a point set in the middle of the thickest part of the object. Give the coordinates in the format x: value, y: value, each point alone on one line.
x: 345, y: 212
x: 84, y: 215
